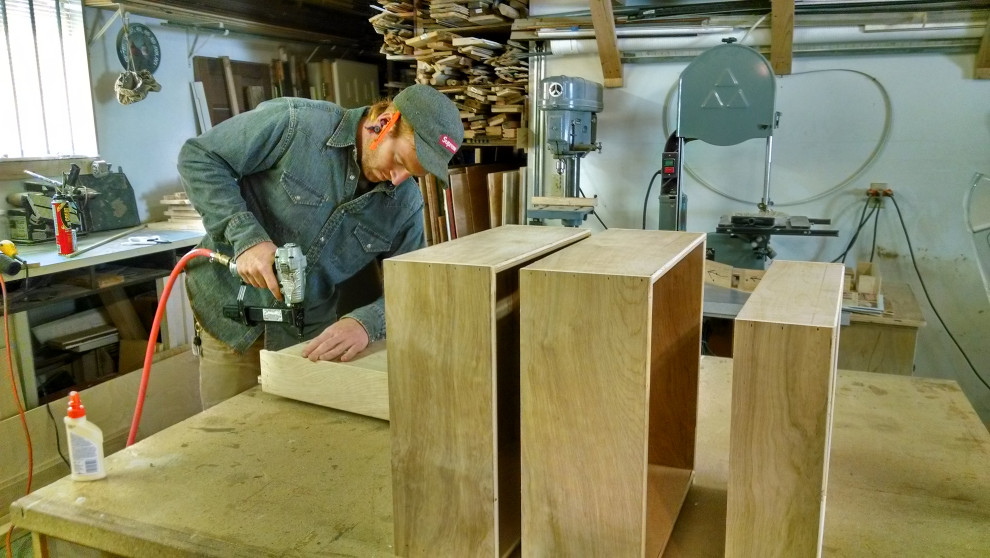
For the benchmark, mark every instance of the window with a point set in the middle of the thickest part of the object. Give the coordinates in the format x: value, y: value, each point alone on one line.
x: 46, y: 107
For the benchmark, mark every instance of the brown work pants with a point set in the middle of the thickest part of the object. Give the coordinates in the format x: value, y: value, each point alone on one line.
x: 223, y: 372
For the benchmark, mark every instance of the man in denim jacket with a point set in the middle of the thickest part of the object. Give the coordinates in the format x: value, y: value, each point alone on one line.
x: 337, y: 182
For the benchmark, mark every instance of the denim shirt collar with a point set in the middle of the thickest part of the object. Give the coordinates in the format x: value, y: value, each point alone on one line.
x: 345, y: 135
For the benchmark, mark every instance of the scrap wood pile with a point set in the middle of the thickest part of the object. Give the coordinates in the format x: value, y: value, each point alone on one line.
x: 487, y: 79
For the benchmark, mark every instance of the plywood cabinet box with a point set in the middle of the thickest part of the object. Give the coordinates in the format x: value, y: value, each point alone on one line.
x: 453, y: 380
x: 785, y: 346
x: 610, y: 333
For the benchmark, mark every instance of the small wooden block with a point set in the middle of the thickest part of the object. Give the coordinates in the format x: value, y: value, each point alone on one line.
x: 571, y: 202
x: 359, y: 386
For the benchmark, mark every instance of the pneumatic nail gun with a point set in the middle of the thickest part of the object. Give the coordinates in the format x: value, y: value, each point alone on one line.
x: 290, y: 270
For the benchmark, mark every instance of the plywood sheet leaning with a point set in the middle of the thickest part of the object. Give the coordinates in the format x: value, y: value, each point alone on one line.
x: 358, y: 386
x: 610, y: 337
x: 453, y: 354
x: 785, y: 347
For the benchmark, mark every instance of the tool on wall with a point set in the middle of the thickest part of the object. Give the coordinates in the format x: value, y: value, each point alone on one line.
x: 570, y: 105
x: 138, y: 46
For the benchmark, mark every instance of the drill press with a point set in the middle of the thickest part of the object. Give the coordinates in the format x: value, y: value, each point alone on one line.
x: 570, y: 105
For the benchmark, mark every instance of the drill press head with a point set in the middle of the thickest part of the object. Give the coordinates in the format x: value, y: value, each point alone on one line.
x: 570, y: 105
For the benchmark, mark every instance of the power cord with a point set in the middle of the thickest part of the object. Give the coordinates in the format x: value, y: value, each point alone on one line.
x: 929, y: 298
x: 593, y: 212
x: 647, y: 200
x: 876, y: 221
x: 863, y: 219
x: 20, y: 407
x: 58, y: 441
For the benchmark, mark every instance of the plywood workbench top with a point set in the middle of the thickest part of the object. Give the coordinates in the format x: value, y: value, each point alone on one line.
x: 259, y: 475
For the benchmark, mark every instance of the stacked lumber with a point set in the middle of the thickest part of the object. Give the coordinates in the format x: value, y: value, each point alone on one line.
x: 475, y: 13
x: 181, y: 213
x: 488, y: 81
x: 395, y: 22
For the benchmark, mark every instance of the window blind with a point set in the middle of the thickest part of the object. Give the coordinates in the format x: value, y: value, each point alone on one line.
x: 46, y: 107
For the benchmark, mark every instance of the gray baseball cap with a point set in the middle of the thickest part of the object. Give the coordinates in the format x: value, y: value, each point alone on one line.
x: 436, y: 124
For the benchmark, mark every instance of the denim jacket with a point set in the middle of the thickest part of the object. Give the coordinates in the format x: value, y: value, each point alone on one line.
x: 287, y: 171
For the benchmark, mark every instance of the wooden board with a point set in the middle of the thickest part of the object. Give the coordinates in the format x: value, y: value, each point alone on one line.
x: 512, y: 208
x: 564, y: 201
x: 785, y: 347
x: 608, y: 49
x: 610, y: 334
x: 453, y: 389
x: 359, y: 386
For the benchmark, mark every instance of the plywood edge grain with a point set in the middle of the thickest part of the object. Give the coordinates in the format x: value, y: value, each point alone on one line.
x: 359, y: 386
x: 499, y: 248
x: 797, y: 293
x: 623, y: 252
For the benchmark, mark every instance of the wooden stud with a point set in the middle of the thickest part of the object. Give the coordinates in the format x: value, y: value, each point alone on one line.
x: 610, y: 334
x: 983, y: 56
x: 228, y: 78
x: 453, y: 359
x: 781, y: 36
x: 608, y: 49
x: 785, y: 346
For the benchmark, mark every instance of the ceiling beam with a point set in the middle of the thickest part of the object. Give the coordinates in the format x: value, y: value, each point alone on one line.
x: 781, y: 36
x: 608, y: 49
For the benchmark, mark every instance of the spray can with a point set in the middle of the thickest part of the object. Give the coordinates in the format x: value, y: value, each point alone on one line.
x: 65, y: 235
x: 85, y: 443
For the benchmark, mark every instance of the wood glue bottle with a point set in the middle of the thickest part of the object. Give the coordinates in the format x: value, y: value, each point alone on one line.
x: 85, y: 443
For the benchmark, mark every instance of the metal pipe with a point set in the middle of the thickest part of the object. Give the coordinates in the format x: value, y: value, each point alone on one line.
x: 766, y: 176
x: 572, y: 179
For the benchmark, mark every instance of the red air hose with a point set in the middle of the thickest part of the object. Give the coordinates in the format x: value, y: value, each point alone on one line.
x: 154, y: 335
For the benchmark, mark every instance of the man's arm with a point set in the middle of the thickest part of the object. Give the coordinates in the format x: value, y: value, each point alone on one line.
x: 212, y: 165
x: 350, y: 335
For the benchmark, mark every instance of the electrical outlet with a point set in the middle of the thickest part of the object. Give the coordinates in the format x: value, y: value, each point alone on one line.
x: 876, y: 193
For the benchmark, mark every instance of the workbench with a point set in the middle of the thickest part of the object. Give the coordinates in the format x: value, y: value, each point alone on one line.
x: 147, y: 262
x: 871, y: 342
x: 259, y: 475
x: 883, y: 342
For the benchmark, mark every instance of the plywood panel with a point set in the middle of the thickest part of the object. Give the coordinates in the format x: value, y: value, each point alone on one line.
x: 358, y: 386
x: 610, y: 334
x: 453, y: 390
x: 785, y: 349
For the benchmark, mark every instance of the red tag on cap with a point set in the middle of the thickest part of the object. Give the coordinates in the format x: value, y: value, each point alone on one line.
x: 448, y: 143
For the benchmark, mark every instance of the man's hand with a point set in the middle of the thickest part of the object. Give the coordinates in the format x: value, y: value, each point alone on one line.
x: 256, y: 267
x: 343, y: 340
